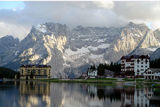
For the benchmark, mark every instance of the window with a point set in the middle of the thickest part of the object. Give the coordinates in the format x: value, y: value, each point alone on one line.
x: 22, y: 72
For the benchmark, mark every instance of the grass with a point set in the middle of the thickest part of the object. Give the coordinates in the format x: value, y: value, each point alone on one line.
x: 156, y: 85
x: 139, y: 79
x: 114, y: 79
x: 91, y: 80
x: 128, y: 79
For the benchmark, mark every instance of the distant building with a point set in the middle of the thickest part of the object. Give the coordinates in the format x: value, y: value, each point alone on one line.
x: 35, y: 71
x: 84, y: 75
x: 152, y: 74
x: 108, y: 74
x: 92, y: 73
x: 135, y: 63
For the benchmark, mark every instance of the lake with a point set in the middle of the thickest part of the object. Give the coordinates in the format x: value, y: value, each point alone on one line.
x: 45, y: 94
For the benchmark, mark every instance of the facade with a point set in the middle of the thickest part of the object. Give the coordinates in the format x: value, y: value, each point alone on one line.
x: 152, y: 74
x: 35, y: 71
x: 135, y: 63
x: 92, y: 73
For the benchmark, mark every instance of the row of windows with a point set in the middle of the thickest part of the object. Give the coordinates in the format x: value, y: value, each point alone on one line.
x: 142, y: 66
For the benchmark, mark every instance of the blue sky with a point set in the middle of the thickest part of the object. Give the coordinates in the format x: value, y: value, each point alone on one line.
x: 12, y: 5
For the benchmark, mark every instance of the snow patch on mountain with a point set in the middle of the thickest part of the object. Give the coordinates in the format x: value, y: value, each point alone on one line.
x: 69, y: 51
x: 151, y: 49
x: 41, y: 28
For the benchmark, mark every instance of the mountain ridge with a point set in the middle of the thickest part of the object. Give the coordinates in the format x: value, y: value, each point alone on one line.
x: 71, y: 51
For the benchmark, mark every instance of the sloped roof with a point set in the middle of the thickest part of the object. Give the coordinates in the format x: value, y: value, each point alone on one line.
x: 154, y: 69
x: 135, y: 57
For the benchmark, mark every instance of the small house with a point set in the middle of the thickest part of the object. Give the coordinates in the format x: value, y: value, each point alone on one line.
x: 92, y: 73
x: 152, y: 74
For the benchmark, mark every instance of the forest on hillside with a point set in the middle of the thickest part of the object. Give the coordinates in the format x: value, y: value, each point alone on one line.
x: 7, y: 73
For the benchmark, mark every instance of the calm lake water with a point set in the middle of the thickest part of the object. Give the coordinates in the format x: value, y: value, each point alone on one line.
x: 44, y: 94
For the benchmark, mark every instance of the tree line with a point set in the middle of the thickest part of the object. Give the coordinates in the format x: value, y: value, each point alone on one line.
x: 7, y: 73
x: 115, y: 67
x: 155, y: 63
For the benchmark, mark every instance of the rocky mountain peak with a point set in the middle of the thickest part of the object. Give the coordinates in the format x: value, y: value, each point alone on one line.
x: 8, y: 41
x: 52, y: 28
x: 69, y: 51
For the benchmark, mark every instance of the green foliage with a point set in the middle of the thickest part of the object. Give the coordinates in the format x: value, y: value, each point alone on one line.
x: 114, y: 79
x: 128, y: 79
x: 101, y: 69
x: 92, y: 67
x: 115, y: 67
x: 139, y: 79
x: 7, y: 73
x: 155, y: 63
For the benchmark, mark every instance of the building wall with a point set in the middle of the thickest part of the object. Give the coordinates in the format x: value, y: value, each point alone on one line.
x: 141, y: 66
x: 36, y: 72
x: 137, y: 65
x: 92, y: 73
x: 149, y: 74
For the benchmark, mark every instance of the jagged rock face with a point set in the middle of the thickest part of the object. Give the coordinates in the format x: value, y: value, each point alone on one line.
x: 157, y: 34
x: 70, y: 52
x: 8, y: 46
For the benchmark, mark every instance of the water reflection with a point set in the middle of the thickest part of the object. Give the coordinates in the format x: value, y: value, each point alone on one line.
x: 34, y: 93
x: 44, y: 94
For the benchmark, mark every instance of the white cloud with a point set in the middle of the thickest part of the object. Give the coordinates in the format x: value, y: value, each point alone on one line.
x: 12, y: 29
x: 104, y: 4
x: 95, y: 13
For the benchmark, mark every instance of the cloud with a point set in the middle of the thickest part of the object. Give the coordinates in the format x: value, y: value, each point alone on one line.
x: 12, y: 29
x: 104, y: 4
x: 89, y: 13
x: 141, y: 10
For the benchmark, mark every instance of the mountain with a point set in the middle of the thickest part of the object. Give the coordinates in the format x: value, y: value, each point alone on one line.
x: 8, y: 45
x: 71, y: 51
x: 155, y: 54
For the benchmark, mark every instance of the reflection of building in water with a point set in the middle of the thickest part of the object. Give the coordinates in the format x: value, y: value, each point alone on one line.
x: 129, y: 97
x: 35, y: 71
x: 34, y: 88
x: 141, y: 98
x: 34, y: 93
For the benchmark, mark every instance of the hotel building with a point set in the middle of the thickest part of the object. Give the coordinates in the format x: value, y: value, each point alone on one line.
x: 35, y: 71
x: 135, y: 63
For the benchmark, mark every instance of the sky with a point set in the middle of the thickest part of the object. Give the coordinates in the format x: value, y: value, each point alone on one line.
x: 17, y: 18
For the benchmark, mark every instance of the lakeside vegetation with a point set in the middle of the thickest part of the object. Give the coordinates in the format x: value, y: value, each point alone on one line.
x: 7, y: 73
x: 92, y: 80
x: 115, y: 67
x: 155, y: 63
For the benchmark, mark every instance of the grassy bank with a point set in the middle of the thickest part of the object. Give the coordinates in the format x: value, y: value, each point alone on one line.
x: 93, y: 80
